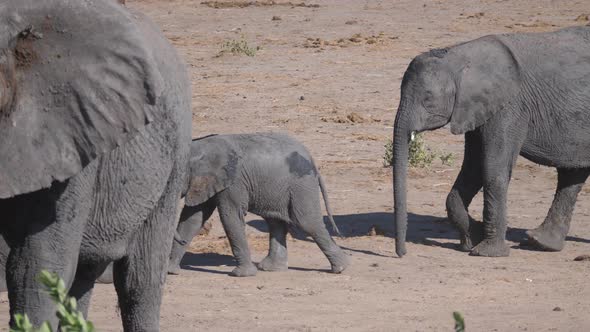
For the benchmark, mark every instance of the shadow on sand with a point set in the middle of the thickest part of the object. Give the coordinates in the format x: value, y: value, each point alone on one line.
x: 422, y: 229
x: 196, y: 262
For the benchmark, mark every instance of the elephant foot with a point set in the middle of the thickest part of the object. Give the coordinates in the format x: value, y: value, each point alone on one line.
x: 546, y: 239
x: 340, y: 264
x: 244, y: 271
x: 174, y: 270
x: 473, y: 237
x: 491, y: 248
x: 272, y: 264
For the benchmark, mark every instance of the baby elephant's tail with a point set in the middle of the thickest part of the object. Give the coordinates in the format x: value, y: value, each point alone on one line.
x: 328, y: 210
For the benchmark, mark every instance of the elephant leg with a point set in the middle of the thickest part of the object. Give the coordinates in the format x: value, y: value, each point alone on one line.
x: 82, y: 291
x: 467, y: 185
x: 4, y: 250
x: 502, y: 147
x: 232, y: 218
x: 306, y: 213
x: 276, y: 260
x: 140, y: 275
x: 53, y: 220
x: 107, y: 275
x: 550, y: 235
x: 84, y: 281
x: 192, y: 219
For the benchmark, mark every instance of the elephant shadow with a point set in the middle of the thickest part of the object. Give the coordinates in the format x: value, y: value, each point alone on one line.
x: 198, y: 261
x: 422, y: 229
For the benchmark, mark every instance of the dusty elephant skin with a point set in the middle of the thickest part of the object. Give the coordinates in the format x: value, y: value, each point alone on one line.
x: 512, y: 94
x: 270, y: 175
x: 94, y: 132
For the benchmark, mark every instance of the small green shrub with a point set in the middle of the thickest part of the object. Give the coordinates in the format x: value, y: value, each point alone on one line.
x: 237, y: 47
x: 459, y: 322
x: 419, y: 155
x: 70, y: 319
x: 388, y: 155
x: 447, y: 159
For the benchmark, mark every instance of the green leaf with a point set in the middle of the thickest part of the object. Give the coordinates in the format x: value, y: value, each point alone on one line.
x: 44, y: 328
x: 70, y: 319
x: 459, y: 322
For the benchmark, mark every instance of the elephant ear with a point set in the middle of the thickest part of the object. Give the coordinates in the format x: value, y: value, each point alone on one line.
x: 76, y: 80
x: 489, y: 82
x: 214, y: 166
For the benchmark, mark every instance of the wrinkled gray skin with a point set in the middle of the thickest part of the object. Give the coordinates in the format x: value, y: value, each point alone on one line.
x: 526, y: 94
x: 94, y: 141
x: 271, y: 175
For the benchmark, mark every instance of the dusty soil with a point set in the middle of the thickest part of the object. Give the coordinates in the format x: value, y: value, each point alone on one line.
x: 330, y: 75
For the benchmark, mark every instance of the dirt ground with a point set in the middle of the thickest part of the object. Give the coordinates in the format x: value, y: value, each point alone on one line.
x: 330, y: 75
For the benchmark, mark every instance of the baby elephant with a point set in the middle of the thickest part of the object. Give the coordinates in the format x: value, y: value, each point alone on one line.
x: 271, y: 175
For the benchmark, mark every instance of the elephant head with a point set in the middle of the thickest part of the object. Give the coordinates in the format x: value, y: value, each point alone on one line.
x: 76, y: 81
x: 214, y: 165
x: 465, y: 85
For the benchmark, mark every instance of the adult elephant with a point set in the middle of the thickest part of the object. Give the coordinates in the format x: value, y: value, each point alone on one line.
x: 94, y: 137
x: 512, y: 94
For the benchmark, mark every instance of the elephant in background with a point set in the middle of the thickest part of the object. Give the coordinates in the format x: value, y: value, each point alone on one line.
x: 527, y: 94
x: 269, y: 174
x: 95, y: 129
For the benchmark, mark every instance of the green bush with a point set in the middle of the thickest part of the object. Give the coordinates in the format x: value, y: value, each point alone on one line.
x: 388, y: 155
x: 419, y: 156
x: 447, y: 159
x: 70, y: 319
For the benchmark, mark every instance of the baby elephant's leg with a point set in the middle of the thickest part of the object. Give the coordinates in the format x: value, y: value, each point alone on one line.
x: 321, y: 236
x: 276, y: 260
x: 232, y: 219
x: 307, y: 214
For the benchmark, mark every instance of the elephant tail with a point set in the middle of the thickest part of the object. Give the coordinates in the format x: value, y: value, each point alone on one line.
x: 328, y: 209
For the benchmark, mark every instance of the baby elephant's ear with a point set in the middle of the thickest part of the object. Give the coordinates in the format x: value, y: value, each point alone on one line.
x: 212, y: 171
x: 77, y: 80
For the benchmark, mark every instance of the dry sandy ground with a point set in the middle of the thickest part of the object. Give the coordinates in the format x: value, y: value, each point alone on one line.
x: 310, y: 87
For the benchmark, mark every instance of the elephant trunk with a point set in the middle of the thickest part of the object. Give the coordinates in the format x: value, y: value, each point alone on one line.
x: 400, y: 165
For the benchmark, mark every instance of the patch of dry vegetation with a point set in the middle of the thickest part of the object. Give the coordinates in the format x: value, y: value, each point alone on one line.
x: 354, y: 40
x: 244, y: 4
